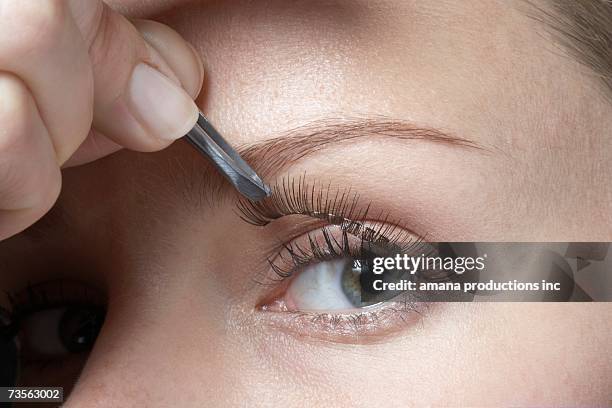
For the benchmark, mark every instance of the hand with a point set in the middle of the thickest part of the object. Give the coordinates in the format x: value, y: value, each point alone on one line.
x: 78, y: 81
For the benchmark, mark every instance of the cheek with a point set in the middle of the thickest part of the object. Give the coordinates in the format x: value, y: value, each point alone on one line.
x: 149, y: 334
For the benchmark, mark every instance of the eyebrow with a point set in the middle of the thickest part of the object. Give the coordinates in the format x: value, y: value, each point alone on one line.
x: 274, y: 155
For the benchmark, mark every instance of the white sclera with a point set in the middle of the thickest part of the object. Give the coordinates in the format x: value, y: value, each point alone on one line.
x: 319, y: 287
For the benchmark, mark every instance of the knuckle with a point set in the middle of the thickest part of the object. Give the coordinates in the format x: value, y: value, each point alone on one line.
x: 29, y: 25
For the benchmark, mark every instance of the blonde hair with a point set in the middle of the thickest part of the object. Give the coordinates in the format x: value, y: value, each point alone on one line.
x: 584, y: 28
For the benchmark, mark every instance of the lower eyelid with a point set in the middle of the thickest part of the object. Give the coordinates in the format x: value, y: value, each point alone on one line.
x: 374, y: 324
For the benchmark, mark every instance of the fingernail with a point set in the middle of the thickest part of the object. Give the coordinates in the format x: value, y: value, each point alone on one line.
x: 162, y: 107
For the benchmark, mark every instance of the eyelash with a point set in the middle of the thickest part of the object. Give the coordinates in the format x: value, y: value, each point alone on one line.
x: 340, y: 207
x: 330, y: 249
x: 292, y: 196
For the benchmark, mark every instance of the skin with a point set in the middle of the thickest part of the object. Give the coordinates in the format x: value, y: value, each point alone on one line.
x: 182, y: 326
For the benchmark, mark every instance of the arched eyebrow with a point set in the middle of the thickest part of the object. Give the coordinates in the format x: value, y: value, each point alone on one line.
x: 273, y: 155
x: 279, y: 152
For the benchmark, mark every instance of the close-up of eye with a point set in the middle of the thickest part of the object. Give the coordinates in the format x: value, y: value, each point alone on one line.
x: 325, y: 270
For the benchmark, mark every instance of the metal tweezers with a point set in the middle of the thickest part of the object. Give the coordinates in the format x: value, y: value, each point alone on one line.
x: 208, y: 141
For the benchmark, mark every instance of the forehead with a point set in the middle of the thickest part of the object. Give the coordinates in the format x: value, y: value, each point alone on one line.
x: 468, y: 67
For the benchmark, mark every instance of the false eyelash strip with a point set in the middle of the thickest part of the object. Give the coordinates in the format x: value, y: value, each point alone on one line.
x: 337, y: 206
x: 293, y: 195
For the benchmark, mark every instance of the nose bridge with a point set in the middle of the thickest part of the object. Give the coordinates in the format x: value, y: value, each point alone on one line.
x: 153, y: 357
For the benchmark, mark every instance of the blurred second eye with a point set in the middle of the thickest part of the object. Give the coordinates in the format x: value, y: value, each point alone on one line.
x: 53, y: 326
x: 59, y: 331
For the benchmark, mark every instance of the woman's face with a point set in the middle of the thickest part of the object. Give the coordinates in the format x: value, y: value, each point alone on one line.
x: 459, y: 121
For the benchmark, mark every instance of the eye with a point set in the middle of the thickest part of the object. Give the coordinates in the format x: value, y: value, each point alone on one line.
x: 324, y: 300
x: 329, y: 267
x: 326, y: 279
x: 56, y: 332
x: 327, y: 270
x: 53, y: 325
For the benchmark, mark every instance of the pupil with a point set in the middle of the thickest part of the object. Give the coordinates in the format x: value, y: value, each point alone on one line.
x: 356, y: 284
x: 80, y: 326
x: 358, y: 281
x: 351, y: 286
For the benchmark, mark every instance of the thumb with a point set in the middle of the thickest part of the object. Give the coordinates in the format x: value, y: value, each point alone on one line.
x: 144, y: 82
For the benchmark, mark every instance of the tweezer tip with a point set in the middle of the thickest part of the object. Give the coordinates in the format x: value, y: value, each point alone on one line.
x: 251, y: 189
x: 263, y: 191
x: 267, y: 190
x: 261, y: 185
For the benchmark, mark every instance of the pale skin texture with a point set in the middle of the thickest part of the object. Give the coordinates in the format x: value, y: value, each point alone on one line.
x: 182, y: 328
